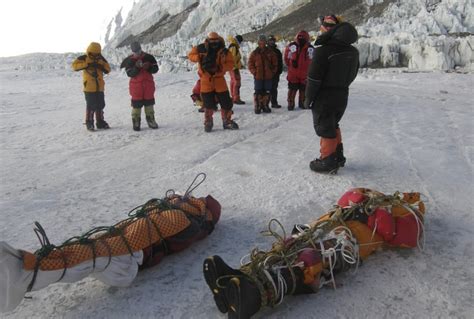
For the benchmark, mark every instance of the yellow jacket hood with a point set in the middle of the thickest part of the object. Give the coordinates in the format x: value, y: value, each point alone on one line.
x: 94, y: 48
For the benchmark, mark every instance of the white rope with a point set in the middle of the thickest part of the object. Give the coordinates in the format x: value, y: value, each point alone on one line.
x: 242, y: 260
x: 329, y: 254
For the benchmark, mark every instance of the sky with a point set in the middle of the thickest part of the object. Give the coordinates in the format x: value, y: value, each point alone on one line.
x: 57, y: 26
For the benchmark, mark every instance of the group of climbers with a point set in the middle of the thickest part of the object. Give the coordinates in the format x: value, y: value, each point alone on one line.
x: 139, y: 66
x: 320, y: 75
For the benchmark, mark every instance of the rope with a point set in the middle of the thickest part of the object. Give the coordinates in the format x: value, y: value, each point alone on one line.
x: 101, y: 233
x: 265, y: 268
x: 191, y: 188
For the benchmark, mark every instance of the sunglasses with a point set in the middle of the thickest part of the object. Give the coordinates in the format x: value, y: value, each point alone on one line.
x: 325, y: 24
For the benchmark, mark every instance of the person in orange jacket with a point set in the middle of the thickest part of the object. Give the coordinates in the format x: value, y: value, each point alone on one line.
x: 93, y: 66
x: 263, y: 65
x: 214, y: 61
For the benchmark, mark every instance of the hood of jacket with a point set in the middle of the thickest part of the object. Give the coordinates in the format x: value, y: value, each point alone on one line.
x: 343, y: 33
x: 303, y: 34
x: 233, y: 40
x: 94, y: 48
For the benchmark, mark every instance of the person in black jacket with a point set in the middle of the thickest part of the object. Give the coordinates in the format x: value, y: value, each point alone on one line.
x: 276, y: 78
x: 140, y: 67
x: 335, y: 65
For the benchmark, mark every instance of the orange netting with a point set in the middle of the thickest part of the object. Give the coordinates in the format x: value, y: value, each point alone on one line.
x: 126, y: 237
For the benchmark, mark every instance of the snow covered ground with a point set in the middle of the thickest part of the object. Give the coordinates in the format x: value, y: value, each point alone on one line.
x: 402, y: 131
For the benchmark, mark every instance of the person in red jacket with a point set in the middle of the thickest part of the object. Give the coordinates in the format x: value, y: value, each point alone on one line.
x: 298, y: 56
x: 139, y: 67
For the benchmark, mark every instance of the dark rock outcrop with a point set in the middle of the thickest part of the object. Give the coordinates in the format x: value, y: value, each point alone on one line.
x: 167, y: 26
x: 306, y: 16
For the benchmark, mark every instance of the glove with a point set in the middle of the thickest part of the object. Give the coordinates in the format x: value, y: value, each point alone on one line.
x: 139, y: 64
x: 308, y: 104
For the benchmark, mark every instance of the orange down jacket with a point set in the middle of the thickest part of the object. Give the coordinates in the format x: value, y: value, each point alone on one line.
x: 224, y: 62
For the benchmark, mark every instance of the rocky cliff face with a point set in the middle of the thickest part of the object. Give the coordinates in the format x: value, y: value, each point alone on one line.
x: 418, y: 34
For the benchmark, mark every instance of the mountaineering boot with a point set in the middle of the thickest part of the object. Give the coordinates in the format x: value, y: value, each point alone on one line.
x: 243, y: 297
x: 100, y: 123
x: 341, y: 160
x: 227, y: 122
x: 301, y: 99
x: 276, y: 105
x: 256, y: 103
x: 90, y: 126
x: 291, y: 99
x: 217, y: 275
x: 136, y: 118
x: 89, y: 120
x: 325, y: 165
x: 136, y: 123
x: 208, y: 126
x: 208, y: 121
x: 265, y: 103
x: 150, y: 117
x: 274, y: 101
x: 230, y: 125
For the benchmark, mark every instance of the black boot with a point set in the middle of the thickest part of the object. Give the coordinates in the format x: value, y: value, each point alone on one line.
x: 244, y: 298
x: 102, y: 125
x: 230, y: 125
x: 90, y: 125
x: 326, y: 165
x: 341, y: 160
x: 151, y: 122
x: 217, y: 275
x: 136, y: 123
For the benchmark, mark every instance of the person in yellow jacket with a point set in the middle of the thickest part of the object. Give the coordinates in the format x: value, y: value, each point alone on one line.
x: 235, y: 82
x: 214, y: 61
x: 93, y: 66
